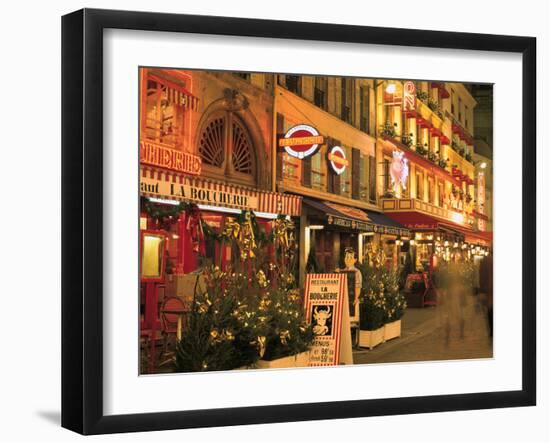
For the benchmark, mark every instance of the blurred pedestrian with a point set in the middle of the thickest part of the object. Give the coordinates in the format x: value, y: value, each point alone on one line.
x: 486, y: 287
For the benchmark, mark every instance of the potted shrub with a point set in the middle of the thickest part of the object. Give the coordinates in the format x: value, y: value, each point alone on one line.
x: 371, y: 319
x: 422, y: 149
x: 433, y: 105
x: 407, y: 140
x: 388, y: 130
x: 288, y: 336
x: 421, y: 95
x: 395, y: 309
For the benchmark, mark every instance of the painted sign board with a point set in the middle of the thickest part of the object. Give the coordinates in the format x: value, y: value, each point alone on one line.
x: 301, y: 141
x: 326, y: 304
x: 158, y: 155
x: 337, y: 159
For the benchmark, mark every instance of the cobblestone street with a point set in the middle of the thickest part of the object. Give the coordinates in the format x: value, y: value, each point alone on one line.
x: 435, y: 334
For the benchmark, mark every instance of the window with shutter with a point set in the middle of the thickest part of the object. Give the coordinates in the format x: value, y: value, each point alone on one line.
x: 356, y: 174
x: 306, y: 171
x: 372, y: 179
x: 280, y: 131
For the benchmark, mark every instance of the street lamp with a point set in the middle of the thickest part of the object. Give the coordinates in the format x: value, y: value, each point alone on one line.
x: 390, y: 89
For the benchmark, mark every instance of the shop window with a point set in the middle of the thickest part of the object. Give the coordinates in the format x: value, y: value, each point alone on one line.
x: 320, y: 91
x: 164, y: 115
x: 225, y: 145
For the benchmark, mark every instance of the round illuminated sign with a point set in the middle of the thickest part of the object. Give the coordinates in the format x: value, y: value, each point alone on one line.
x: 337, y: 159
x: 301, y: 141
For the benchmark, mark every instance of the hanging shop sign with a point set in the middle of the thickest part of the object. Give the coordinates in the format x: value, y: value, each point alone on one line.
x: 409, y: 96
x: 301, y: 141
x: 326, y: 304
x: 399, y: 171
x: 337, y: 159
x: 158, y: 155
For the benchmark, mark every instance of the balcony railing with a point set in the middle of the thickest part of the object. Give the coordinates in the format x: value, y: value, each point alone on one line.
x: 415, y: 205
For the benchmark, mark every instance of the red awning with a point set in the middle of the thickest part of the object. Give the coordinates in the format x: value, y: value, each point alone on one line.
x: 435, y: 132
x: 484, y: 238
x: 423, y: 123
x: 418, y: 221
x: 442, y: 90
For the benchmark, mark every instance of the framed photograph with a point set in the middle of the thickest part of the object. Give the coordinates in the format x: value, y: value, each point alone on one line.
x: 269, y: 221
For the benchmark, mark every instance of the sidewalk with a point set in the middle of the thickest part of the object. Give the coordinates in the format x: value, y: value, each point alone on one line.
x: 429, y: 334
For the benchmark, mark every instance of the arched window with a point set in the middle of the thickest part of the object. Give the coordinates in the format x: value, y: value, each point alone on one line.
x: 211, y: 145
x: 227, y: 150
x: 241, y: 154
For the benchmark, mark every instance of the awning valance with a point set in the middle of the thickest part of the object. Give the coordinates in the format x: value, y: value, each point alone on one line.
x: 418, y: 221
x: 173, y: 186
x: 355, y: 219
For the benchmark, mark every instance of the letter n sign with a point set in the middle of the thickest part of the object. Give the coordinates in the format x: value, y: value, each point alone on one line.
x: 409, y: 96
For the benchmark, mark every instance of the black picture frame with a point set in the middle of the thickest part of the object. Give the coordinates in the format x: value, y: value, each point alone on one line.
x: 82, y: 216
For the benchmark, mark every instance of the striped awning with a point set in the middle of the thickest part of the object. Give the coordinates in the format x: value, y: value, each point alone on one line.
x: 171, y: 185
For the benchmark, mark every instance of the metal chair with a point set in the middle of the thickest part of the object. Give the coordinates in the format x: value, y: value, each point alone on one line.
x: 172, y: 316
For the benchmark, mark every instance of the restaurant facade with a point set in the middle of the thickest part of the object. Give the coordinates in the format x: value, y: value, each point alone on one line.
x: 337, y: 179
x: 428, y: 176
x: 205, y: 146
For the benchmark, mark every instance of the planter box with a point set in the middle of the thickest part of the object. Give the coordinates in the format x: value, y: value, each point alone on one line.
x: 293, y: 361
x: 392, y: 330
x: 370, y: 339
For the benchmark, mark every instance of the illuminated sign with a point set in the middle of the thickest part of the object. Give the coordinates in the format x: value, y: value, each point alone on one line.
x: 481, y: 224
x: 187, y: 192
x: 399, y: 172
x: 409, y: 96
x: 337, y: 159
x: 163, y: 157
x: 301, y: 141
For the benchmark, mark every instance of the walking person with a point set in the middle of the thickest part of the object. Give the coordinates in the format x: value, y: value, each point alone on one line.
x: 486, y: 288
